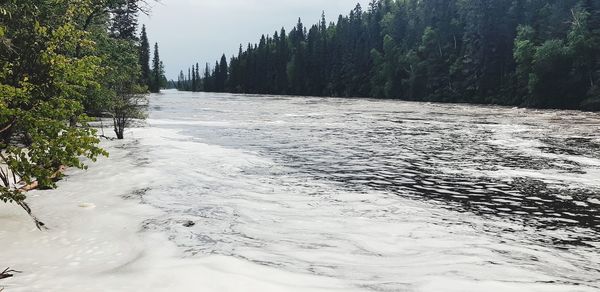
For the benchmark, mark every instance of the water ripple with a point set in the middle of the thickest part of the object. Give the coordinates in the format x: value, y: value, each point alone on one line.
x: 388, y: 195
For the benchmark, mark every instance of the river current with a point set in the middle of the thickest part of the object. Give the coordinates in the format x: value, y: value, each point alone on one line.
x: 383, y: 195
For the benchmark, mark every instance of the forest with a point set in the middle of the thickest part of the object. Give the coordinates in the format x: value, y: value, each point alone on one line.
x: 62, y: 64
x: 532, y: 53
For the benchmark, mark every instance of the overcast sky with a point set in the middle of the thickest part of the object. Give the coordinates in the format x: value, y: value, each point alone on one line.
x: 202, y: 30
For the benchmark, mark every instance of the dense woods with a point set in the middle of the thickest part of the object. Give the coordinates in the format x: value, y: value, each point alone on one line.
x: 538, y: 53
x: 62, y: 62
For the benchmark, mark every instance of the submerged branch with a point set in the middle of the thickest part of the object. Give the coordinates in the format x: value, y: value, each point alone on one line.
x: 39, y: 224
x: 32, y: 186
x: 7, y: 273
x: 107, y: 138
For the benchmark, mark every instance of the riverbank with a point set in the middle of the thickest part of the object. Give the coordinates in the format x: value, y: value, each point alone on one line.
x: 96, y: 240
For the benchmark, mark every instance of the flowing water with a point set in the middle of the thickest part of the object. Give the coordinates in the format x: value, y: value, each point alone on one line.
x: 383, y: 195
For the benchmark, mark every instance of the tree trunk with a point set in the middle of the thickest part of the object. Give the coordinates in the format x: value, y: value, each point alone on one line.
x: 119, y: 125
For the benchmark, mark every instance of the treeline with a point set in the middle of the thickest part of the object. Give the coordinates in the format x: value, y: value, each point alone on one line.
x: 538, y: 53
x: 62, y: 61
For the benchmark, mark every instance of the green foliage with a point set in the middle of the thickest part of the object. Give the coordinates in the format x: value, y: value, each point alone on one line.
x: 551, y: 65
x: 524, y: 51
x: 157, y: 76
x: 144, y: 58
x: 126, y: 99
x: 41, y: 91
x: 558, y: 72
x: 124, y: 22
x: 386, y: 71
x: 512, y: 52
x: 57, y: 63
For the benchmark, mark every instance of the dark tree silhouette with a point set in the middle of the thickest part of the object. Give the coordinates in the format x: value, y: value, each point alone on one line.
x: 538, y: 53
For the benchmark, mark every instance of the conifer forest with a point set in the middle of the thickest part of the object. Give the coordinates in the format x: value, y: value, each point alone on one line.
x: 532, y: 53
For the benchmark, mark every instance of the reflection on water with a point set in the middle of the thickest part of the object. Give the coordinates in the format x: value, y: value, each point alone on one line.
x: 328, y: 186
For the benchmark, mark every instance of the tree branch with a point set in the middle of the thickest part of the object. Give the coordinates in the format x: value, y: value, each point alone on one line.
x: 7, y: 273
x: 8, y: 126
x: 32, y: 186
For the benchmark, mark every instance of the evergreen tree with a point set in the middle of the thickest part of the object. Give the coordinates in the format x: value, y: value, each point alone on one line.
x: 124, y: 24
x: 221, y: 74
x: 512, y: 52
x: 188, y: 85
x: 158, y: 75
x: 198, y: 78
x: 144, y: 58
x: 181, y: 81
x: 194, y: 79
x: 208, y: 81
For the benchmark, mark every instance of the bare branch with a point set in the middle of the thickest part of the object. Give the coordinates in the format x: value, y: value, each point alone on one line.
x: 7, y: 273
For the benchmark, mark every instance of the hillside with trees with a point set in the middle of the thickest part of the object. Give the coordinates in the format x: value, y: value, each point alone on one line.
x: 62, y: 62
x: 534, y: 53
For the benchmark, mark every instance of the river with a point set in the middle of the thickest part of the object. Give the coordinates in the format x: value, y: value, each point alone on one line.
x: 382, y: 195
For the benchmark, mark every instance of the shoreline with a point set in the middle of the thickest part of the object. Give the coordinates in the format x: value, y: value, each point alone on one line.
x: 96, y: 241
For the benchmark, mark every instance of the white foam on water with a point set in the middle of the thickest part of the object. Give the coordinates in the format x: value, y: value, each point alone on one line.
x: 122, y: 226
x: 94, y: 242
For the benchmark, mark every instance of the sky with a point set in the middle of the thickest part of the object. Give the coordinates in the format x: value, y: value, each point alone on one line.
x: 190, y: 31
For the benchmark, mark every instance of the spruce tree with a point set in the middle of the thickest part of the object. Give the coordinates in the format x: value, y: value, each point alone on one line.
x: 124, y: 22
x: 217, y: 77
x: 194, y: 79
x: 157, y: 71
x: 207, y: 80
x: 198, y: 79
x: 188, y: 85
x: 511, y: 52
x: 223, y: 74
x: 181, y: 81
x: 144, y: 58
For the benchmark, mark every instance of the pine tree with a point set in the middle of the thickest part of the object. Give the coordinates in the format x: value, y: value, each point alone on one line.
x: 188, y: 85
x: 124, y: 22
x: 224, y: 73
x: 432, y: 50
x: 157, y: 80
x: 181, y: 81
x: 198, y: 79
x: 207, y: 79
x: 194, y: 79
x: 144, y: 58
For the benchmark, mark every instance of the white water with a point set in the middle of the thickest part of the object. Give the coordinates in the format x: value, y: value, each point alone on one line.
x: 307, y: 194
